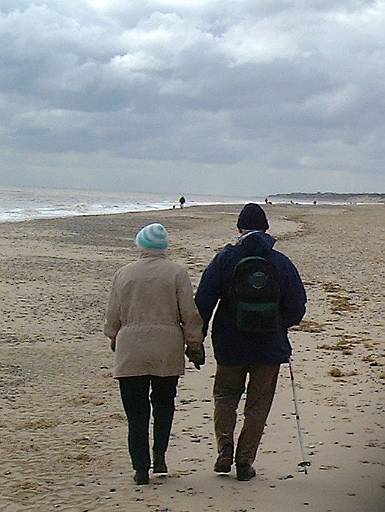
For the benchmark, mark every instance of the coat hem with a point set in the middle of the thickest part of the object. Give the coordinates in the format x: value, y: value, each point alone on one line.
x: 154, y: 374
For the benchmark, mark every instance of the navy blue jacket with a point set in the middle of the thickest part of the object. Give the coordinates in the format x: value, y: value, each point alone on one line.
x: 232, y: 347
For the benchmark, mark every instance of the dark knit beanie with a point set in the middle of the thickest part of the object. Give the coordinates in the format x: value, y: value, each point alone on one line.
x: 252, y: 217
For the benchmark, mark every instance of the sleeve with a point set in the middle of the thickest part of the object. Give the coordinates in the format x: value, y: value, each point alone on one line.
x: 190, y: 319
x: 209, y: 291
x: 112, y: 317
x: 294, y: 296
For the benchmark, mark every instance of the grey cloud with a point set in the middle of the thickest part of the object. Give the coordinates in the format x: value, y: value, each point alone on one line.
x: 283, y: 86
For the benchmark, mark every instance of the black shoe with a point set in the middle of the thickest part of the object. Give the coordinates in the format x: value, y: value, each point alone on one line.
x: 224, y: 460
x: 141, y: 477
x: 245, y: 472
x: 159, y: 465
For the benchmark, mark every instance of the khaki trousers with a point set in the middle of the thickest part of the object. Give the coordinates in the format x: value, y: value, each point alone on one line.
x: 228, y: 388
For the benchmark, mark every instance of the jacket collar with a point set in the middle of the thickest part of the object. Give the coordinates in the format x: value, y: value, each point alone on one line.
x: 256, y: 242
x: 248, y: 233
x: 153, y: 253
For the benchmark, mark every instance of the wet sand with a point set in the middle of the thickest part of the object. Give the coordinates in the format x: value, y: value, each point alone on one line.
x: 62, y: 428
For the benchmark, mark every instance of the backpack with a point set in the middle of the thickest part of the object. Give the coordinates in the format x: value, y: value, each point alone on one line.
x: 255, y: 296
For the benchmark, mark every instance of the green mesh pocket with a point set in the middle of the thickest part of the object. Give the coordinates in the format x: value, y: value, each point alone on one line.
x: 257, y: 318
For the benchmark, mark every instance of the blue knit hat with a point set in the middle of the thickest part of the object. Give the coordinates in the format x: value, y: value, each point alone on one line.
x: 153, y: 236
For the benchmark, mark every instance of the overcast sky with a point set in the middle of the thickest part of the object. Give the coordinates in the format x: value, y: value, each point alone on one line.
x: 194, y: 96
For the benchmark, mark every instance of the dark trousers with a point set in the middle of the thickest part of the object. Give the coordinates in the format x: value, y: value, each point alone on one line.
x: 228, y: 388
x: 136, y: 397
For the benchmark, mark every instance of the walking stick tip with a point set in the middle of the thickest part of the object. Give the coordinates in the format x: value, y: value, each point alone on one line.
x: 304, y: 464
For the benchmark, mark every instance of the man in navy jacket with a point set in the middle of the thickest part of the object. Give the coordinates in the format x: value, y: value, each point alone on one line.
x: 239, y: 354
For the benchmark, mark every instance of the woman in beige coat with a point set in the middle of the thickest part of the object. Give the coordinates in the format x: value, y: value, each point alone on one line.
x: 151, y: 316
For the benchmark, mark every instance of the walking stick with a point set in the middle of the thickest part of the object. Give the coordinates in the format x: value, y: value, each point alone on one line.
x: 304, y: 463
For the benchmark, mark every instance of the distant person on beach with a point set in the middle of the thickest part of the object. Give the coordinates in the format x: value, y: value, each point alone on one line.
x: 150, y: 317
x: 260, y: 296
x: 182, y: 201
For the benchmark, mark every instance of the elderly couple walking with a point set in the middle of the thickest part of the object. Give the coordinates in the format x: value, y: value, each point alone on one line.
x: 152, y: 320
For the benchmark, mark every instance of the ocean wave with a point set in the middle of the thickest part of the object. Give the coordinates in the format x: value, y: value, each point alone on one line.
x: 17, y: 205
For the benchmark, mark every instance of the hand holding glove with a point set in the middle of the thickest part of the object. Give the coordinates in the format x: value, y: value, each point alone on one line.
x: 196, y: 356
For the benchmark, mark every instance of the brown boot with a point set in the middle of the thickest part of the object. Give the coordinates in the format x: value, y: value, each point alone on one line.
x: 224, y: 460
x: 141, y: 477
x: 245, y: 472
x: 159, y: 465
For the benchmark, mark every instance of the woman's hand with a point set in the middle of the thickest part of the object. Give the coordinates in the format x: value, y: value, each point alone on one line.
x: 196, y: 356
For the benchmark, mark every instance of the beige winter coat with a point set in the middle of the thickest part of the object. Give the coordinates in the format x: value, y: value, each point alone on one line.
x: 152, y: 314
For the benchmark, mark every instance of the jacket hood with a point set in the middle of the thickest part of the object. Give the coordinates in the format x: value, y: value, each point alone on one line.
x: 256, y: 242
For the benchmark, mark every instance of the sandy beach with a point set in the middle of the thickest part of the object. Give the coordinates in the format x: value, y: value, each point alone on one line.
x: 62, y: 428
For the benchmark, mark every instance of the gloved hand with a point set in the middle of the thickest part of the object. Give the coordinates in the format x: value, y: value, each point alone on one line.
x: 196, y: 356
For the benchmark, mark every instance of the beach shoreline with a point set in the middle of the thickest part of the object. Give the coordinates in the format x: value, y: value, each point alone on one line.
x: 62, y: 425
x: 21, y: 204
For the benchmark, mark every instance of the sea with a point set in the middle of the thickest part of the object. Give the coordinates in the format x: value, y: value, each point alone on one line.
x: 21, y: 204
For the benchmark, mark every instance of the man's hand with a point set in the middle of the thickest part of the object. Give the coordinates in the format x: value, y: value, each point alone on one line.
x: 196, y: 356
x: 113, y: 344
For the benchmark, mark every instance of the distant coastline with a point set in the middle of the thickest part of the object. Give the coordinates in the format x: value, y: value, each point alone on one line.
x: 332, y: 197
